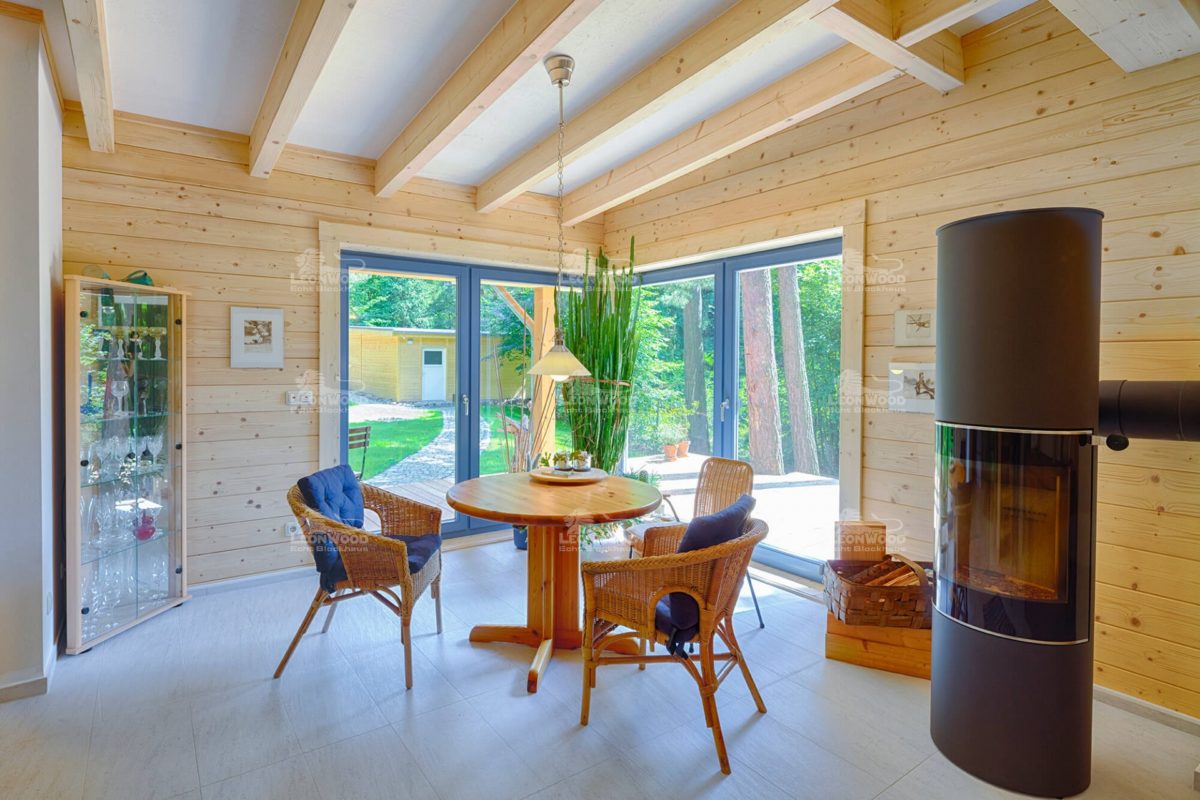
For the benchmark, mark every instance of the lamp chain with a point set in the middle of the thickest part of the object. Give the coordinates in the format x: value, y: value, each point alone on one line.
x: 562, y: 239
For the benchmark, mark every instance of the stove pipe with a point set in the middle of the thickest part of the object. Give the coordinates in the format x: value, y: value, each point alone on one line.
x: 1017, y: 399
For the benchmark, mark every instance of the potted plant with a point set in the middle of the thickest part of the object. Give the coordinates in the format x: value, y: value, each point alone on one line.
x: 600, y: 328
x: 672, y: 429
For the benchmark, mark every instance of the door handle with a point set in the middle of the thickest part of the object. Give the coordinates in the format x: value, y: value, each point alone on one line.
x: 466, y: 403
x: 724, y: 406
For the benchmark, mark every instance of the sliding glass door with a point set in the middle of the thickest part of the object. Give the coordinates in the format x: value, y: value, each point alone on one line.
x: 402, y: 414
x: 436, y: 357
x: 788, y: 336
x: 740, y: 358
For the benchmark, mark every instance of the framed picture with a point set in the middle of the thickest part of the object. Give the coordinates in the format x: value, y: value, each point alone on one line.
x: 911, y: 388
x: 914, y: 327
x: 255, y: 337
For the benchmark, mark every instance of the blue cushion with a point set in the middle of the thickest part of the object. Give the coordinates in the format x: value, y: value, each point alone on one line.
x: 664, y: 622
x: 714, y: 529
x: 335, y: 493
x: 420, y: 549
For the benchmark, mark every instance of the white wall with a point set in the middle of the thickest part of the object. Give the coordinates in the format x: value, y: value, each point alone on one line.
x: 30, y: 357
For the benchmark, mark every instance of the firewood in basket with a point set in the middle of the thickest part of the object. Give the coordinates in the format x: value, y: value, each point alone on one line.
x: 882, y: 580
x: 909, y: 578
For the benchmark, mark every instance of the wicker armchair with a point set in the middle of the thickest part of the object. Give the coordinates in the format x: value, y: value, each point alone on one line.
x: 623, y: 594
x: 374, y: 564
x: 721, y: 482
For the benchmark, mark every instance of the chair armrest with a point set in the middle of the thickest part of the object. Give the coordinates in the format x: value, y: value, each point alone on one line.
x: 367, y: 557
x: 401, y: 516
x: 662, y: 540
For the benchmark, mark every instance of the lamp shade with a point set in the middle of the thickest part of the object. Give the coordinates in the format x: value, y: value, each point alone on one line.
x: 559, y: 364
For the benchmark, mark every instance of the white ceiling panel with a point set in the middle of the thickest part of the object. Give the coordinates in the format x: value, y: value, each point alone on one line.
x: 989, y: 15
x: 616, y: 41
x: 203, y: 62
x: 391, y: 58
x: 789, y: 48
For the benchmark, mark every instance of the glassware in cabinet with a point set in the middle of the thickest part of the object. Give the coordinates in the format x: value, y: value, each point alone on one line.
x: 126, y: 538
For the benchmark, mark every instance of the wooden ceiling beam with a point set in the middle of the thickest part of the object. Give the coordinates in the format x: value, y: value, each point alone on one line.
x: 936, y: 60
x: 916, y: 20
x: 89, y: 46
x: 734, y: 35
x: 1138, y: 33
x: 829, y: 81
x: 314, y: 31
x: 525, y: 35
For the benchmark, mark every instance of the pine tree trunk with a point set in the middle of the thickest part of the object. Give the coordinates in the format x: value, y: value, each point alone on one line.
x: 693, y: 374
x: 762, y: 378
x: 795, y: 376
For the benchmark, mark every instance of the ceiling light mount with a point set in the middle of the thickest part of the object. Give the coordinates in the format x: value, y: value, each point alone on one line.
x: 560, y: 67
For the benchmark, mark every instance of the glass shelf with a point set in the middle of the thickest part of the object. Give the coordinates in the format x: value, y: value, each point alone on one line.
x: 91, y: 553
x: 126, y: 477
x: 92, y: 420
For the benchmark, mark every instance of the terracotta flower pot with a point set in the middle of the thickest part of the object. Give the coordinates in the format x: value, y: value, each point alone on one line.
x: 669, y: 451
x: 682, y: 447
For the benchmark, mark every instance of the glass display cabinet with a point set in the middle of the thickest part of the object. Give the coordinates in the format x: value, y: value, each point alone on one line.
x: 125, y: 421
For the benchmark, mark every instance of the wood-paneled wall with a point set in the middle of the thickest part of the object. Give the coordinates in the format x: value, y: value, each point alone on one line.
x: 178, y: 202
x: 1044, y: 119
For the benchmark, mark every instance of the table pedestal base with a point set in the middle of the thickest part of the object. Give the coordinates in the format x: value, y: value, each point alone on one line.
x: 552, y: 602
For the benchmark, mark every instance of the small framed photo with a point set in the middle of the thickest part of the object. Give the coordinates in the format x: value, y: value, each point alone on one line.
x: 914, y: 327
x: 255, y: 337
x: 911, y: 387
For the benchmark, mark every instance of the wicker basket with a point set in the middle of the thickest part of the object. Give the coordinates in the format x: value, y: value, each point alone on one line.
x: 854, y: 602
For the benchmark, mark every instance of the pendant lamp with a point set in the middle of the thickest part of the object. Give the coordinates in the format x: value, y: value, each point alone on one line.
x: 560, y: 364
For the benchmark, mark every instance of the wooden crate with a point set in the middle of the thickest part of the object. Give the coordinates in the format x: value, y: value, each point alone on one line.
x: 902, y: 650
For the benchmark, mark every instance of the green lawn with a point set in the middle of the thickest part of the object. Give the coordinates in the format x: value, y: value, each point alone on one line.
x: 395, y: 440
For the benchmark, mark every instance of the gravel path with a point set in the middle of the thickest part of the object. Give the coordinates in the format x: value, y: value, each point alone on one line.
x: 434, y: 461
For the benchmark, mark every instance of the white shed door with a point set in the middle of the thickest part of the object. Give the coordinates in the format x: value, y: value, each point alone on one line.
x: 433, y: 374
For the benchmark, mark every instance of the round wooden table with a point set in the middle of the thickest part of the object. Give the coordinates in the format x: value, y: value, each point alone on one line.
x: 553, y: 515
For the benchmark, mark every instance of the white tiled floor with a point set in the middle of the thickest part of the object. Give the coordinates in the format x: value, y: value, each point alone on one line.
x: 185, y: 706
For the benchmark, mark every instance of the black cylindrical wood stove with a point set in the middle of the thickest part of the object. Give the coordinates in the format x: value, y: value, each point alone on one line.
x: 1018, y: 311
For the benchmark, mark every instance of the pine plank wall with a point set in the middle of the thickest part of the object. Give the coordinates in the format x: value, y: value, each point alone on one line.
x: 179, y: 203
x: 1044, y: 119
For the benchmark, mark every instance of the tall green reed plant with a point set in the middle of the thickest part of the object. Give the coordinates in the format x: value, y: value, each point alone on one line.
x: 600, y: 328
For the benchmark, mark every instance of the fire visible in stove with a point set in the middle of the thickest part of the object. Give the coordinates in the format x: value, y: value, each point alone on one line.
x: 1008, y: 532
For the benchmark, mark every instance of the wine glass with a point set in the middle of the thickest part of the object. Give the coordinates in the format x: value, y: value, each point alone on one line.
x: 143, y: 448
x: 120, y: 390
x: 95, y: 454
x: 105, y: 512
x: 156, y: 446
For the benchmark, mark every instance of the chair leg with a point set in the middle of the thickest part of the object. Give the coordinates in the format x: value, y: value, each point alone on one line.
x: 436, y: 591
x: 308, y: 618
x: 589, y: 669
x: 754, y: 597
x: 735, y: 648
x: 642, y: 650
x: 406, y: 640
x: 709, y: 691
x: 329, y: 617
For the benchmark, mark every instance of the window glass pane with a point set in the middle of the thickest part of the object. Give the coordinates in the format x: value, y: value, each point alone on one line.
x: 402, y: 415
x: 671, y: 414
x: 789, y: 360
